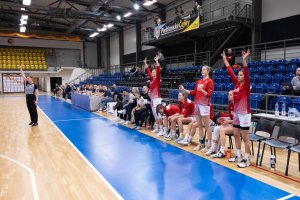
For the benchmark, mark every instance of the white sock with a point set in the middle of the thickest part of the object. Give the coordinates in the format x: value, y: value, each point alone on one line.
x: 214, y: 146
x: 161, y: 127
x: 180, y: 134
x: 173, y: 133
x: 189, y: 139
x: 247, y: 156
x: 238, y: 153
x: 208, y: 143
x: 186, y: 136
x: 165, y: 129
x: 222, y: 149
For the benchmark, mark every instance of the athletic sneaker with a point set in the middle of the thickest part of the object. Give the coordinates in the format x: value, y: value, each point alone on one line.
x: 170, y: 137
x: 34, y: 124
x: 198, y: 147
x: 178, y: 139
x: 30, y: 123
x: 205, y: 149
x: 218, y: 155
x: 235, y: 159
x: 122, y: 111
x: 134, y: 127
x: 160, y: 133
x: 244, y: 163
x: 126, y: 123
x: 155, y: 131
x: 184, y: 142
x: 210, y: 152
x: 138, y: 128
x: 116, y: 119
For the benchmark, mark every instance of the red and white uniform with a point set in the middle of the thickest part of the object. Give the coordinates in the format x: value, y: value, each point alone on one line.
x: 241, y: 94
x: 208, y: 86
x: 154, y: 90
x: 154, y: 83
x: 187, y: 109
x: 171, y: 110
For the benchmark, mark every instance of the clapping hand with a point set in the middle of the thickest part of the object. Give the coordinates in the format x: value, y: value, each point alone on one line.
x: 246, y: 54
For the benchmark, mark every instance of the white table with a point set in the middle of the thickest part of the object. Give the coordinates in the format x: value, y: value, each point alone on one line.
x: 280, y: 118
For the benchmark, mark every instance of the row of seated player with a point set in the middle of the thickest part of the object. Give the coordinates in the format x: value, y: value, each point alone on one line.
x: 24, y: 50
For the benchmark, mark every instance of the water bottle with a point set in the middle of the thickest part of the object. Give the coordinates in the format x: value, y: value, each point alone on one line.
x: 228, y: 153
x: 283, y: 112
x: 272, y: 162
x: 276, y: 110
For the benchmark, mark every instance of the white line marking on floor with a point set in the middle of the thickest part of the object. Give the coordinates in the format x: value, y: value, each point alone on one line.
x: 32, y: 177
x: 287, y: 197
x: 85, y: 159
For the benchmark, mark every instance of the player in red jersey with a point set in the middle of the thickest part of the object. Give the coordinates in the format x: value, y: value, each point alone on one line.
x: 155, y: 97
x: 186, y: 115
x: 220, y: 132
x: 165, y: 113
x: 242, y: 115
x: 202, y: 92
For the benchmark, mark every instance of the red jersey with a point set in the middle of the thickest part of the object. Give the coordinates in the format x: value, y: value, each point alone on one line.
x: 230, y: 111
x: 171, y: 110
x: 187, y: 108
x: 241, y: 92
x: 154, y: 83
x: 208, y: 86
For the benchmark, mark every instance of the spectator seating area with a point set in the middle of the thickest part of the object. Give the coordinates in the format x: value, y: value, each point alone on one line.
x: 266, y: 77
x: 31, y: 58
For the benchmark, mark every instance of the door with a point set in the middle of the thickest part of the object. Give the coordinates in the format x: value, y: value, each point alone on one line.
x: 54, y: 80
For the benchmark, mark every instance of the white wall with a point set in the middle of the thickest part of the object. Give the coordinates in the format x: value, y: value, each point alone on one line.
x: 114, y: 49
x: 278, y: 53
x: 91, y: 54
x: 130, y: 41
x: 277, y: 9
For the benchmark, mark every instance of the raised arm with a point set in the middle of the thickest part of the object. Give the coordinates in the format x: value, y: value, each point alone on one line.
x: 229, y: 69
x: 147, y: 68
x: 157, y: 68
x: 246, y: 71
x: 22, y: 73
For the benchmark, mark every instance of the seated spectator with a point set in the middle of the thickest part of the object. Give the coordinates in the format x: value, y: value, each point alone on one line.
x: 295, y: 84
x: 114, y: 92
x: 130, y: 106
x: 139, y: 110
x: 67, y: 92
x: 105, y: 98
x: 56, y: 88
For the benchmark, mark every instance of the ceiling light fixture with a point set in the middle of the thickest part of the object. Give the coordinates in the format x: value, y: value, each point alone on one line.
x: 24, y: 17
x: 136, y: 6
x: 23, y: 22
x: 27, y: 2
x: 128, y: 14
x: 109, y: 25
x: 149, y: 2
x: 94, y: 34
x: 118, y: 17
x: 23, y: 9
x: 22, y: 29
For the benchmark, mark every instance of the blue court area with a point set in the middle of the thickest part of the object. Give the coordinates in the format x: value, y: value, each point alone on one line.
x: 140, y: 167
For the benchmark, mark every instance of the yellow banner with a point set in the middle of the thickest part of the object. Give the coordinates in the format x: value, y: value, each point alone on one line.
x: 194, y: 25
x: 47, y: 37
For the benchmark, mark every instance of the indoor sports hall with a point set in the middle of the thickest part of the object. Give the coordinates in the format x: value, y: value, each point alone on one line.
x: 149, y: 99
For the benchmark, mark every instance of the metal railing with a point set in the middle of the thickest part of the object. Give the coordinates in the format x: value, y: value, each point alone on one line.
x: 218, y: 10
x: 276, y: 50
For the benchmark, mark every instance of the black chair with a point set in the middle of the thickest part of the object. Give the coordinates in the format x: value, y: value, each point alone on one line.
x: 286, y: 139
x: 263, y: 125
x: 296, y: 149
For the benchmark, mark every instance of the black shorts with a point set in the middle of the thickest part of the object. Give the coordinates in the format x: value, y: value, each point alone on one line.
x: 242, y: 128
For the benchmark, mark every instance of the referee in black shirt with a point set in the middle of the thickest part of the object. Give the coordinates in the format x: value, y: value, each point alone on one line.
x: 32, y: 95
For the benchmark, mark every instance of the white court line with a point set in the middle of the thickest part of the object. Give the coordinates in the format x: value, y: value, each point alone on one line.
x: 114, y: 191
x: 32, y: 177
x: 66, y: 120
x: 287, y: 197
